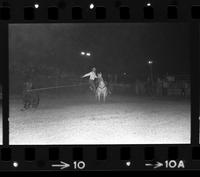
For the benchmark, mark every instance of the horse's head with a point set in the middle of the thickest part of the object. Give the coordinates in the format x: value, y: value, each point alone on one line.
x: 99, y: 75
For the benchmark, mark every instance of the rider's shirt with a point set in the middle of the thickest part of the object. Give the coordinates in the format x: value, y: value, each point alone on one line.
x: 92, y: 75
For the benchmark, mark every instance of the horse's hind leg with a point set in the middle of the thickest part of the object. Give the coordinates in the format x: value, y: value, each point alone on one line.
x: 105, y: 95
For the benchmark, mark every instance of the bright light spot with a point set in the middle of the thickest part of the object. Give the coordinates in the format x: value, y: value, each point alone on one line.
x: 150, y: 62
x: 124, y: 73
x: 15, y: 164
x: 36, y: 6
x: 91, y: 6
x: 148, y: 4
x: 88, y: 54
x: 128, y: 163
x: 82, y: 53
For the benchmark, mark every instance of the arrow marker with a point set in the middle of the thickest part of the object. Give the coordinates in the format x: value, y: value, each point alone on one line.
x: 158, y: 165
x: 62, y: 166
x: 148, y: 164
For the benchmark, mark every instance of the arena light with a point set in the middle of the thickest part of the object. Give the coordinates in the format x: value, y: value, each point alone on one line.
x: 150, y: 62
x: 148, y: 4
x: 88, y: 54
x: 82, y: 53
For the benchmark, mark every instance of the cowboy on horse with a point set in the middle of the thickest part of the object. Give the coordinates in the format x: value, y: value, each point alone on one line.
x: 92, y: 76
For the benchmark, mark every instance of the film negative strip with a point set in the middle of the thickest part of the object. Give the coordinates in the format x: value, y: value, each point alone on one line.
x: 99, y: 85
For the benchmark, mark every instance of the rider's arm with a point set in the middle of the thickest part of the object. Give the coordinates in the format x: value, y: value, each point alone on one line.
x: 86, y: 75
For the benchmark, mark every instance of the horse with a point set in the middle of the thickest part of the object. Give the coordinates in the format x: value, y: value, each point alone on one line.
x: 102, y: 90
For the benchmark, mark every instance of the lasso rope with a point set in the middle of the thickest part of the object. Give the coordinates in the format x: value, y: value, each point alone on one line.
x: 48, y: 88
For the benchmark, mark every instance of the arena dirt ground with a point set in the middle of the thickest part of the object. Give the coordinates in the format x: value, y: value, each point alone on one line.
x: 79, y: 119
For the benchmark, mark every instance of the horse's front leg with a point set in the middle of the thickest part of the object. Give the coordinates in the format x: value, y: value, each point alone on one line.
x: 104, y: 97
x: 99, y: 97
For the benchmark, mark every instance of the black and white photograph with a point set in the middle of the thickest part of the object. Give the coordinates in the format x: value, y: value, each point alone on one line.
x: 99, y: 83
x: 1, y: 116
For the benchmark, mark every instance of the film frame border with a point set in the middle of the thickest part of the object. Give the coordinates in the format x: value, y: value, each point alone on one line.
x: 29, y: 157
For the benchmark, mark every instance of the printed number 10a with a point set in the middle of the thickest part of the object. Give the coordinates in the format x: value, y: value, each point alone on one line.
x: 174, y: 164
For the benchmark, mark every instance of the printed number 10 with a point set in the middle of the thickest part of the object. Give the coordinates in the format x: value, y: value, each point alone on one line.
x: 79, y: 165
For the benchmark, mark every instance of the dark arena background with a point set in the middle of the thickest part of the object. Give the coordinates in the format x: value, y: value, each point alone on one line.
x: 146, y: 68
